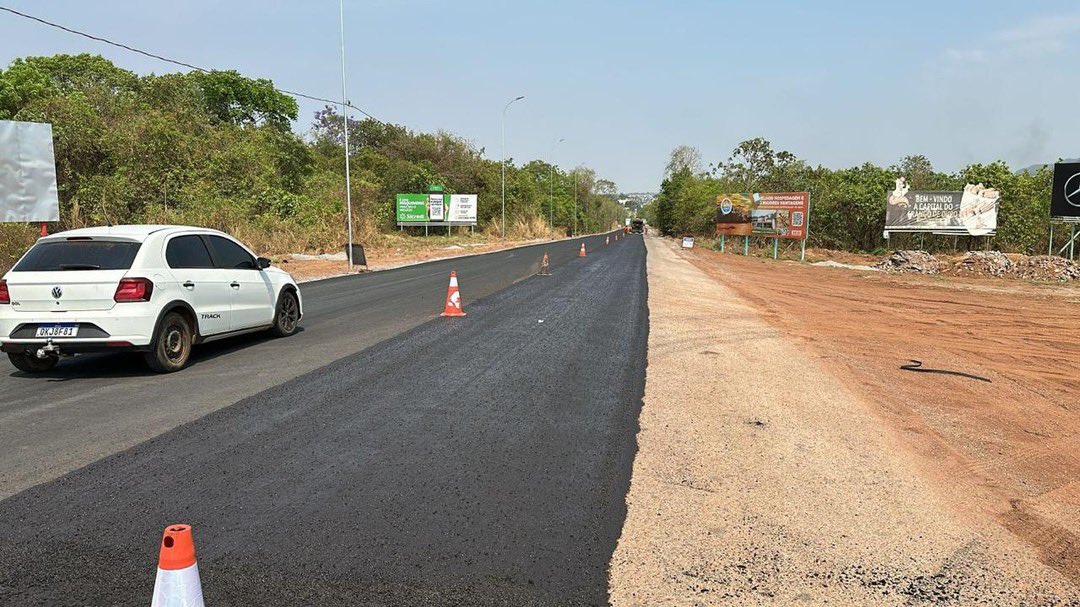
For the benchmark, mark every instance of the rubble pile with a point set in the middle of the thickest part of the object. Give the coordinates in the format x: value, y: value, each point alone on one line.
x: 917, y: 262
x: 984, y: 263
x: 1047, y: 268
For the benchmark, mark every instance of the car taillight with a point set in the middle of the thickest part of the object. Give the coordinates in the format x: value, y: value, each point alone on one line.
x: 133, y: 289
x: 5, y: 295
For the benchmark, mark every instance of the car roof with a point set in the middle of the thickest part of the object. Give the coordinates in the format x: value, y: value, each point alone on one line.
x: 126, y: 232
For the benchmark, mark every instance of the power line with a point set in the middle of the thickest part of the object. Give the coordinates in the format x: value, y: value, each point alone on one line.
x: 166, y: 59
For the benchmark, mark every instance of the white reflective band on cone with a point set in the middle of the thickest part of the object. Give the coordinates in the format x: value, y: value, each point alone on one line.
x: 178, y: 588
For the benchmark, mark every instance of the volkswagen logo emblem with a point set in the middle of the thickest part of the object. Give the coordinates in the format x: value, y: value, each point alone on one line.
x: 1072, y: 190
x: 57, y: 292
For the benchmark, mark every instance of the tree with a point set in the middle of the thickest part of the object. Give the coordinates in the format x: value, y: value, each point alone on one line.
x: 232, y: 98
x: 35, y: 78
x: 684, y: 158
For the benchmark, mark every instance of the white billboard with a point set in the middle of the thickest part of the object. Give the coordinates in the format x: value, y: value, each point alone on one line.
x: 27, y: 173
x: 462, y: 208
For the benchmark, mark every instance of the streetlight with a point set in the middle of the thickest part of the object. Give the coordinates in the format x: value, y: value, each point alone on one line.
x: 345, y: 115
x: 551, y: 182
x: 508, y: 104
x: 575, y: 201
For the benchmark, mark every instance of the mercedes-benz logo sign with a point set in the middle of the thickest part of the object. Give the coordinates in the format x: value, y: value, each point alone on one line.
x: 1072, y: 190
x: 57, y: 292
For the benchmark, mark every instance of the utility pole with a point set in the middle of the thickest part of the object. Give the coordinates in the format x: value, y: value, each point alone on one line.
x: 575, y: 201
x: 503, y: 159
x: 551, y: 180
x: 345, y: 115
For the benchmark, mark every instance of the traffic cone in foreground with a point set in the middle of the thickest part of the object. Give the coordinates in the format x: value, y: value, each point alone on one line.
x: 544, y: 269
x: 177, y: 583
x: 581, y: 253
x: 453, y: 298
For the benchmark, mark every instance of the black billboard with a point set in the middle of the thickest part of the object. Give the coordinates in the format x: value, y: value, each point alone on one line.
x: 1065, y: 201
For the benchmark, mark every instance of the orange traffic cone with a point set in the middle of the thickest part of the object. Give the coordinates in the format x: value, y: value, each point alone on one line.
x: 177, y: 583
x: 544, y: 269
x: 581, y: 253
x: 453, y: 298
x: 44, y: 229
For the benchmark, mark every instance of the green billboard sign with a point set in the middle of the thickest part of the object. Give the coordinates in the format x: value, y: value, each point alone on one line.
x: 412, y: 208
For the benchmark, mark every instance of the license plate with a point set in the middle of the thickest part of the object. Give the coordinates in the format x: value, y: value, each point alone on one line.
x: 58, y: 331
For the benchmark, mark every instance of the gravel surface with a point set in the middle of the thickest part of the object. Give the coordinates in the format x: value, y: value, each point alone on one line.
x: 473, y: 461
x: 762, y: 480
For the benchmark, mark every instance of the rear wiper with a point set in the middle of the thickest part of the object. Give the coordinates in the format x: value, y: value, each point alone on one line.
x: 79, y: 266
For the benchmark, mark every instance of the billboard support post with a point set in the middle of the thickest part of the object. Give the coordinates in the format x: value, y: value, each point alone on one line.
x: 1050, y: 247
x: 775, y: 247
x: 745, y: 245
x: 806, y: 236
x: 722, y: 242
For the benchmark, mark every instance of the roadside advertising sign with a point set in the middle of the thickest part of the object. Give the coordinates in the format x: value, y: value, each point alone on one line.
x: 1065, y: 201
x: 27, y: 173
x: 777, y: 215
x: 688, y: 242
x: 436, y: 209
x: 972, y: 212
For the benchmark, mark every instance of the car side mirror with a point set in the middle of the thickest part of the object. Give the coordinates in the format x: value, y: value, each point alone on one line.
x: 263, y: 263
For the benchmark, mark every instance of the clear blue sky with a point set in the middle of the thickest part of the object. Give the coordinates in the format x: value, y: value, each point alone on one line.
x: 838, y: 83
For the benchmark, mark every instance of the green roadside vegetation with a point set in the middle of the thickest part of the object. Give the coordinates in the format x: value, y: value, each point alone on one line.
x: 848, y: 205
x: 219, y: 150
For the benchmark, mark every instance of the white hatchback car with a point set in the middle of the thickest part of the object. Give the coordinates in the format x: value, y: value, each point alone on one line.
x: 152, y: 289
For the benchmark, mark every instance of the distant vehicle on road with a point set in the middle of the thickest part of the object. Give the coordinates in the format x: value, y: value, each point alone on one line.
x: 152, y: 289
x: 637, y: 226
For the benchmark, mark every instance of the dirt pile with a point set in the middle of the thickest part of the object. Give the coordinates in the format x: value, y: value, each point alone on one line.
x: 1047, y: 268
x: 916, y: 262
x: 984, y: 263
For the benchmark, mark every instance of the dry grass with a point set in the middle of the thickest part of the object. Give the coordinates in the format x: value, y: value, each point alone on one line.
x: 522, y: 228
x: 15, y: 238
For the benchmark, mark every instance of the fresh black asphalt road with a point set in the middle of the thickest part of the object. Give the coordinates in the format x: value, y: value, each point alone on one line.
x: 94, y: 406
x: 473, y: 461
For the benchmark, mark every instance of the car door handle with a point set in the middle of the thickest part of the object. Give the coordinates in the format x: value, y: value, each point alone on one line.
x: 189, y: 285
x: 235, y: 285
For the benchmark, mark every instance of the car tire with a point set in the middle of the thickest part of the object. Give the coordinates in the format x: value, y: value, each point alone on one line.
x: 286, y: 315
x: 28, y: 363
x: 171, y: 348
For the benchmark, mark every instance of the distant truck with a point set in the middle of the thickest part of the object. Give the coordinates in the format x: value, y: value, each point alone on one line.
x: 637, y: 226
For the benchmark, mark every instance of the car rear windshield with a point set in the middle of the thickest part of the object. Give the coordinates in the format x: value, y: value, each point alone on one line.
x: 68, y: 255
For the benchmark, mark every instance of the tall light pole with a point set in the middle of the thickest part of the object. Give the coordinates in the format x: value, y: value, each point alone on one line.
x: 551, y: 183
x: 345, y: 114
x: 503, y: 152
x: 575, y: 201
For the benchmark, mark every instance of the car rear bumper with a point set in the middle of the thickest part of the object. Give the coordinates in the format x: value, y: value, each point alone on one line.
x: 69, y: 347
x: 125, y: 326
